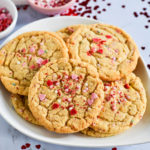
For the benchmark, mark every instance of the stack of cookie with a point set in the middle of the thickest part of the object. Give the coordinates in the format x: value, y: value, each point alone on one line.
x: 77, y: 79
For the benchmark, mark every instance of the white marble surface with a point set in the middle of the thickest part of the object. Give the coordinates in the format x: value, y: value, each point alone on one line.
x: 11, y: 139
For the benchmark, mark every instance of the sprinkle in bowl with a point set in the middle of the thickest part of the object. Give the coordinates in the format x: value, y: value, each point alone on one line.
x: 51, y: 7
x: 8, y: 10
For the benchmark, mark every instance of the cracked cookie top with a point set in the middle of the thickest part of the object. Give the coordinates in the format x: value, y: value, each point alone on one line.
x: 106, y: 47
x: 123, y: 106
x: 20, y: 104
x: 65, y: 95
x: 23, y: 56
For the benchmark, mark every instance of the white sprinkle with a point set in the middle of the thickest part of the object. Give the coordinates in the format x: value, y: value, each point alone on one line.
x: 84, y: 91
x: 70, y: 108
x: 114, y: 58
x: 113, y: 125
x: 56, y: 91
x: 59, y: 100
x: 89, y: 108
x: 66, y: 90
x: 98, y: 65
x: 69, y: 99
x: 18, y: 62
x: 76, y: 79
x: 57, y: 83
x: 93, y: 124
x: 54, y: 76
x: 41, y: 43
x: 78, y: 86
x: 66, y: 77
x: 86, y: 84
x: 51, y: 86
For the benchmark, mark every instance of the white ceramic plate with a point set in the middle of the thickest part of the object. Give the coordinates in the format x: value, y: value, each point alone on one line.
x: 138, y: 134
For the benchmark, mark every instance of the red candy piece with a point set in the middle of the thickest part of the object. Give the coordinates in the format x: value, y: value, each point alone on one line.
x: 107, y: 84
x: 96, y: 40
x: 127, y: 86
x: 114, y: 148
x: 27, y: 145
x: 108, y: 36
x: 45, y: 62
x: 23, y: 147
x: 38, y: 146
x: 55, y: 82
x: 73, y: 112
x: 102, y: 42
x: 100, y: 51
x: 23, y: 50
x: 32, y: 67
x: 49, y: 83
x: 90, y: 52
x: 55, y: 106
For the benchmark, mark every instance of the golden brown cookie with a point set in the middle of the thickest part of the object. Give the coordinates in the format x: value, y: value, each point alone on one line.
x: 65, y: 33
x: 123, y: 107
x: 66, y: 95
x: 22, y: 57
x: 110, y: 49
x: 20, y: 104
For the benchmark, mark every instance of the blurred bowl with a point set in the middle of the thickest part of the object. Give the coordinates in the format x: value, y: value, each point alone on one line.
x: 51, y: 11
x: 10, y: 6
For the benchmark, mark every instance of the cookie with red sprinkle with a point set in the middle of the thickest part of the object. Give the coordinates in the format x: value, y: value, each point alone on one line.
x: 66, y: 95
x: 108, y: 48
x: 66, y: 32
x: 22, y: 57
x: 20, y: 104
x: 123, y: 107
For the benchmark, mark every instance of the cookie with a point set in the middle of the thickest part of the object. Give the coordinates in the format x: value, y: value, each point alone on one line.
x: 110, y: 49
x: 65, y: 33
x: 66, y: 95
x: 22, y: 57
x: 20, y: 104
x: 123, y: 107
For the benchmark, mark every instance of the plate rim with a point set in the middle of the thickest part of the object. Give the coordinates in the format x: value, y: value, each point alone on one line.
x: 54, y: 141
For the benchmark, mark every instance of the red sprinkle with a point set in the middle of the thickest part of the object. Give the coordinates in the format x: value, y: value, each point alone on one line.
x: 102, y: 42
x: 49, y: 83
x: 23, y: 147
x: 143, y: 47
x: 27, y: 145
x: 107, y: 84
x: 23, y: 50
x: 114, y: 148
x: 73, y: 112
x: 100, y: 51
x: 127, y: 86
x: 45, y: 62
x: 90, y: 52
x: 55, y: 106
x: 96, y: 40
x: 32, y: 67
x: 108, y: 36
x: 38, y: 146
x: 123, y: 6
x: 135, y: 14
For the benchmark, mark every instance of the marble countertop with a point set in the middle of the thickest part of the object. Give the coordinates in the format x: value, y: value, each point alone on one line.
x: 133, y: 16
